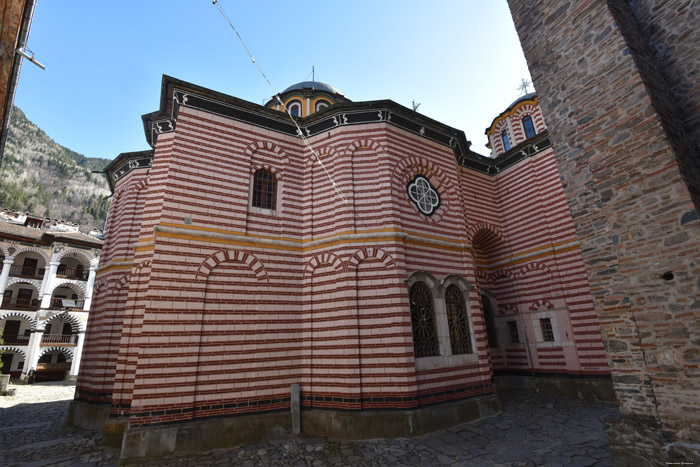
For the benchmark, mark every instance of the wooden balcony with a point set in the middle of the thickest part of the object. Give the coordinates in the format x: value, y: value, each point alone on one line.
x: 16, y: 340
x: 27, y: 272
x: 57, y: 304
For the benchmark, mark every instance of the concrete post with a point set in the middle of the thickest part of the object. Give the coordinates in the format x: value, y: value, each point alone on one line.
x: 5, y: 274
x: 46, y: 298
x: 77, y: 353
x: 44, y: 282
x: 296, y: 410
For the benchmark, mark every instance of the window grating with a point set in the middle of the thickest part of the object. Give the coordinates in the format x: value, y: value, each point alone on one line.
x: 513, y: 330
x: 425, y: 342
x: 264, y: 190
x: 457, y: 320
x: 547, y: 332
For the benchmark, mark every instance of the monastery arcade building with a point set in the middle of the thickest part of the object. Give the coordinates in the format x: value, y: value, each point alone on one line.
x: 397, y: 277
x: 46, y: 281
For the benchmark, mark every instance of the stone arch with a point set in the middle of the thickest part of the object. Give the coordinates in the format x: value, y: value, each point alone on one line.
x: 484, y: 231
x: 321, y: 259
x: 220, y: 256
x: 69, y: 318
x: 540, y: 304
x: 9, y: 348
x: 38, y: 251
x: 76, y: 286
x: 253, y: 147
x: 66, y: 352
x: 6, y: 251
x: 19, y: 314
x: 21, y: 280
x: 370, y: 252
x: 422, y: 276
x: 275, y: 171
x: 86, y: 259
x: 459, y: 281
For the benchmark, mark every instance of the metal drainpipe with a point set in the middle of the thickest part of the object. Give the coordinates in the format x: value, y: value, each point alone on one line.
x: 16, y: 68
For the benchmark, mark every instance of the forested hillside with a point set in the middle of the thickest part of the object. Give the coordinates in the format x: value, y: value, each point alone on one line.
x: 39, y: 176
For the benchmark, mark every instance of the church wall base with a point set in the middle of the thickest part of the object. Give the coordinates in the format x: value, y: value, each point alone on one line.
x: 87, y: 416
x: 397, y: 423
x: 202, y: 435
x: 589, y: 388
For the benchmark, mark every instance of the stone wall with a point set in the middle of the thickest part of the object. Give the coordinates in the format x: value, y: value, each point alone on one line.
x: 624, y: 157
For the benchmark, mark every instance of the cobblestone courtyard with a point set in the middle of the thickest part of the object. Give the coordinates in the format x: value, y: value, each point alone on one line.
x: 532, y: 430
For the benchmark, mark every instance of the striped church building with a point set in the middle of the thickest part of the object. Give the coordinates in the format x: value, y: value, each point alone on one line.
x: 396, y: 276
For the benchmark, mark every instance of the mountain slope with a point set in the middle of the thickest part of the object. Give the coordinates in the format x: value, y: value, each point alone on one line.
x: 39, y: 176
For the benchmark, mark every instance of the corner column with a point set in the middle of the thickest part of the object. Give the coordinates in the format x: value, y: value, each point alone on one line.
x: 5, y: 274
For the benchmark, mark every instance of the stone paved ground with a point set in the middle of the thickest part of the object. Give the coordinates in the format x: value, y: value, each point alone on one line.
x: 533, y: 430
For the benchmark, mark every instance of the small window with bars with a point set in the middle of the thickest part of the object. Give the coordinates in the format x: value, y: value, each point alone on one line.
x: 547, y: 331
x: 513, y: 331
x: 264, y: 190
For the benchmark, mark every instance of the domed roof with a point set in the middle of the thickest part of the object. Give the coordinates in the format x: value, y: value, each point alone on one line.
x: 314, y: 85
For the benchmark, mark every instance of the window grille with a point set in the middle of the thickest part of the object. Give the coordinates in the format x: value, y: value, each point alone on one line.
x: 425, y: 341
x: 547, y: 331
x: 264, y: 190
x: 513, y: 330
x: 457, y: 320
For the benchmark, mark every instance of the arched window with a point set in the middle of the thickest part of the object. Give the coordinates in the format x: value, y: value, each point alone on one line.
x: 528, y: 126
x: 425, y: 340
x: 506, y: 143
x: 491, y: 333
x: 460, y: 339
x: 294, y: 108
x: 264, y: 190
x: 320, y: 105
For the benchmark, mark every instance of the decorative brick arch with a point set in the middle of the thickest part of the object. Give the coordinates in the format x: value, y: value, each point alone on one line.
x: 540, y: 268
x: 533, y: 111
x: 6, y: 251
x: 370, y: 252
x: 67, y: 352
x: 123, y: 281
x: 21, y: 280
x: 323, y: 151
x: 269, y: 146
x: 235, y: 256
x: 87, y: 258
x: 321, y: 259
x: 75, y: 286
x: 363, y: 143
x: 67, y: 317
x: 9, y: 348
x: 539, y: 304
x: 482, y: 230
x: 276, y: 172
x: 38, y: 251
x: 19, y: 314
x: 502, y: 274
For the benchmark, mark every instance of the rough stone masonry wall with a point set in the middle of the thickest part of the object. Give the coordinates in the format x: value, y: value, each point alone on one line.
x: 632, y: 209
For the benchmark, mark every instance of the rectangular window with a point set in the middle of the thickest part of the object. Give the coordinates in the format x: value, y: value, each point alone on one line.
x: 547, y: 332
x: 513, y: 329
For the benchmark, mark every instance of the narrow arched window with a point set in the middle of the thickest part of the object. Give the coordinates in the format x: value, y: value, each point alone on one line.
x: 528, y: 126
x: 264, y: 189
x: 320, y: 105
x: 460, y: 338
x: 425, y: 340
x: 491, y: 333
x: 294, y: 108
x: 506, y: 143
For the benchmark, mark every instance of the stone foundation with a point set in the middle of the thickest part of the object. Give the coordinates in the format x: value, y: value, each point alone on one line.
x: 590, y: 388
x: 214, y: 433
x: 88, y: 416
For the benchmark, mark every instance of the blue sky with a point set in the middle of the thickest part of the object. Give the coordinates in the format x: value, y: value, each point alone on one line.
x: 460, y: 59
